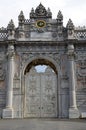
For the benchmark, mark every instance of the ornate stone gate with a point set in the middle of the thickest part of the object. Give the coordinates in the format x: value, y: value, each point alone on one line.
x: 42, y: 40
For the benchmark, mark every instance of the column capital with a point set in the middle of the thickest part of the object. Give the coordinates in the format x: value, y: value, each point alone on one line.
x: 71, y: 52
x: 10, y: 51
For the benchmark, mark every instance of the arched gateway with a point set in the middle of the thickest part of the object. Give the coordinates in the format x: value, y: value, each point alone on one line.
x: 57, y: 92
x: 40, y: 90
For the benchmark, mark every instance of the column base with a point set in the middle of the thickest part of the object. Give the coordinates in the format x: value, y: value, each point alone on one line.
x: 7, y: 113
x: 73, y: 113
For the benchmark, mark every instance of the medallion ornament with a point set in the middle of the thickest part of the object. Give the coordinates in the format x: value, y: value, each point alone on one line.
x: 40, y: 23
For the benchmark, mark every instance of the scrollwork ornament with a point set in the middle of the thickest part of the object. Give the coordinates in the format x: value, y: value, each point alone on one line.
x: 26, y: 56
x: 40, y: 30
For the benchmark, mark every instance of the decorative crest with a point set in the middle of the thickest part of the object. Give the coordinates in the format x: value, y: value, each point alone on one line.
x: 40, y: 12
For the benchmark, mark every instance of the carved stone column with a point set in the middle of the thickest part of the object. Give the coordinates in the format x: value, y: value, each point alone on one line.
x: 73, y: 111
x: 8, y: 111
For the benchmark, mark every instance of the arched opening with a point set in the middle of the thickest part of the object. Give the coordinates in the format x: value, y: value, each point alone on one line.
x: 40, y: 89
x: 40, y: 62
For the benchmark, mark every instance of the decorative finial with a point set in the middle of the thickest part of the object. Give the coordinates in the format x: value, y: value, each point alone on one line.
x: 32, y: 10
x: 49, y: 12
x: 11, y: 25
x: 21, y: 17
x: 32, y: 13
x: 70, y: 24
x: 60, y: 16
x: 70, y: 29
x: 11, y: 30
x: 40, y: 3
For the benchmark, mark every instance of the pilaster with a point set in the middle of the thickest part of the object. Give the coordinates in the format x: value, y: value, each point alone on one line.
x: 8, y: 111
x: 73, y: 110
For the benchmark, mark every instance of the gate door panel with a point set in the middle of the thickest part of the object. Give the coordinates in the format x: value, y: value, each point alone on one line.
x: 32, y: 95
x: 41, y: 94
x: 48, y: 96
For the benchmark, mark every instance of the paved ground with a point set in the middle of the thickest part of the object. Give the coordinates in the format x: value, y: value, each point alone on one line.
x: 42, y: 124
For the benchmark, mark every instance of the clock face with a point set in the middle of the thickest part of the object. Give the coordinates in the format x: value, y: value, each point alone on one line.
x: 40, y: 23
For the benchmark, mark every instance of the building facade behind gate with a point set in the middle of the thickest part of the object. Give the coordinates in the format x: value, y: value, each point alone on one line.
x: 58, y: 92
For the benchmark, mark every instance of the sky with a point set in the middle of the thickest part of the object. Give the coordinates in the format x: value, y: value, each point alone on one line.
x: 74, y: 9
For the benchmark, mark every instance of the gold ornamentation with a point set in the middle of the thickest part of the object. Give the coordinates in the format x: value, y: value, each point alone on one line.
x: 40, y: 23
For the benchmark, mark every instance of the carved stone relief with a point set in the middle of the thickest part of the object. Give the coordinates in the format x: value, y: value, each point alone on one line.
x: 27, y: 56
x: 17, y: 67
x: 64, y: 71
x: 81, y: 72
x: 37, y: 48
